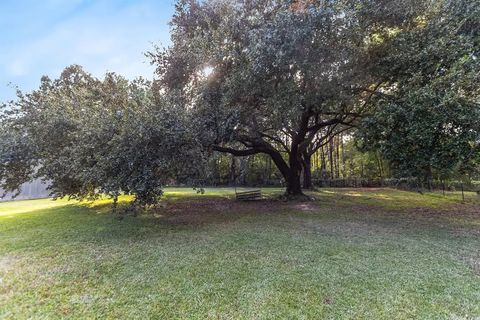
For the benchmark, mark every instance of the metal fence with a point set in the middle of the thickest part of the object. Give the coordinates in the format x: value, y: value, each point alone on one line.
x: 401, y: 183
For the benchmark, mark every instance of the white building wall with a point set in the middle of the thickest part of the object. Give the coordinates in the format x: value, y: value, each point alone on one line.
x: 31, y: 190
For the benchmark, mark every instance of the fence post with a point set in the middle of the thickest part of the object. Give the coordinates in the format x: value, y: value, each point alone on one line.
x: 463, y: 195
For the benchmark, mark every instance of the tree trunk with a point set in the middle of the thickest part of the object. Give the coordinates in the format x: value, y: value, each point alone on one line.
x: 337, y: 157
x: 307, y: 171
x: 242, y: 179
x: 233, y: 171
x: 324, y: 162
x: 330, y: 156
x: 294, y: 186
x: 344, y: 168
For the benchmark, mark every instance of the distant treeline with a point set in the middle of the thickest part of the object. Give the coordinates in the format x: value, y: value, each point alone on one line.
x: 337, y: 164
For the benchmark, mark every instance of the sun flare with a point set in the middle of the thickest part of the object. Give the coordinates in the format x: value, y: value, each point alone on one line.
x: 207, y: 71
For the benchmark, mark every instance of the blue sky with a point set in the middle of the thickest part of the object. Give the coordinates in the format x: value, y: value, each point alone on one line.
x: 41, y: 37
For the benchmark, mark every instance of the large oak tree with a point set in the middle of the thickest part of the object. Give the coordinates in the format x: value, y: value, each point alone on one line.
x: 279, y: 77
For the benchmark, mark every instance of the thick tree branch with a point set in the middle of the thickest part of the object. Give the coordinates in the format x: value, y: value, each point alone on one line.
x: 277, y: 140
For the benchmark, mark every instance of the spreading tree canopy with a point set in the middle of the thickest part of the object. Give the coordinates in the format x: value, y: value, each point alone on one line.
x: 88, y: 137
x: 279, y: 77
x: 428, y: 123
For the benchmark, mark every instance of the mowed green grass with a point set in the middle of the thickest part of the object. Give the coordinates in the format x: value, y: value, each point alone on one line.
x: 350, y: 254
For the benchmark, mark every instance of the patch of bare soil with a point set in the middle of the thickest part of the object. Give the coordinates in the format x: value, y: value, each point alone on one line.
x: 205, y: 210
x: 306, y: 206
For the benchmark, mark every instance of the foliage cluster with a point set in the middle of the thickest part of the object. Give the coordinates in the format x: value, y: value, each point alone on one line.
x: 87, y: 137
x: 293, y: 84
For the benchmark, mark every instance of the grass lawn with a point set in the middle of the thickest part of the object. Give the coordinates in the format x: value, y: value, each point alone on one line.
x: 350, y: 254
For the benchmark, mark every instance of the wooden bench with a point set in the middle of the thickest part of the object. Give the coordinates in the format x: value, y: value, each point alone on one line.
x: 249, y: 195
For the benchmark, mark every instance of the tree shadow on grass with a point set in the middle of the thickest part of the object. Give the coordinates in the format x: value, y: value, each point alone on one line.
x: 79, y: 225
x: 94, y: 222
x: 198, y: 213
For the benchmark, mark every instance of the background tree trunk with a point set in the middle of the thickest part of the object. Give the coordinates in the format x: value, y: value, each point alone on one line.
x: 330, y: 158
x: 233, y: 171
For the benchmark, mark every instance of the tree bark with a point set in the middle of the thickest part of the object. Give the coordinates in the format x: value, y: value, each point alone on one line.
x: 337, y: 157
x: 294, y: 186
x: 330, y: 158
x: 233, y: 171
x: 307, y: 171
